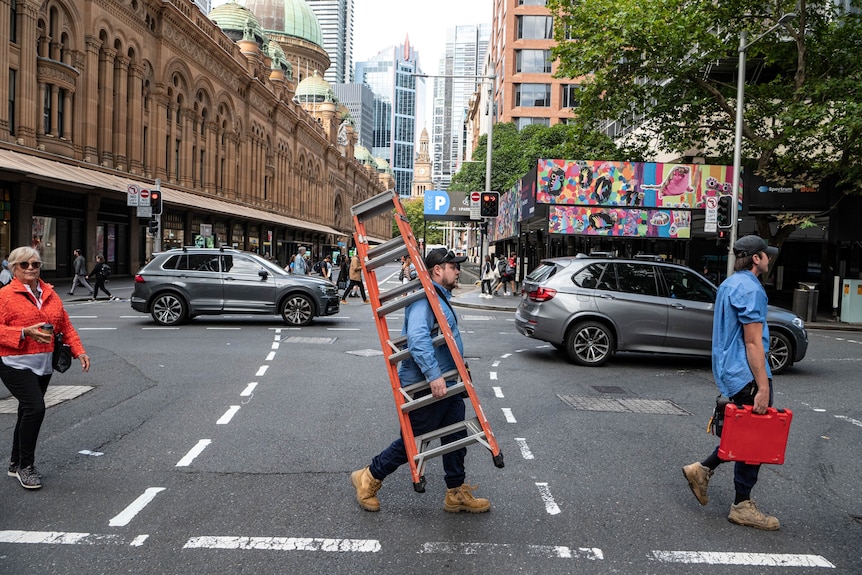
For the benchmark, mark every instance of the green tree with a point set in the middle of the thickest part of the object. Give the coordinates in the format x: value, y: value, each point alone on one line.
x: 415, y: 210
x: 671, y: 66
x: 516, y: 152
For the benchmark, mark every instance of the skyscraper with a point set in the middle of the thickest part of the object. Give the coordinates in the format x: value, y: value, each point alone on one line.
x: 336, y: 23
x: 359, y: 99
x: 399, y: 102
x: 466, y: 47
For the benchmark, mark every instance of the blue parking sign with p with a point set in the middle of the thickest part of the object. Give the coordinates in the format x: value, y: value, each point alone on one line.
x: 436, y: 203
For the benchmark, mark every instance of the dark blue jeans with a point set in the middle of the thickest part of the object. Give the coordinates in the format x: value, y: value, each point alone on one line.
x: 29, y: 389
x: 439, y: 414
x: 744, y: 474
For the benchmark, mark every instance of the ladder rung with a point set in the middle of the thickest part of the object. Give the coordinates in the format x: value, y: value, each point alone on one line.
x: 403, y: 354
x: 385, y: 247
x: 402, y: 289
x: 399, y: 303
x: 392, y: 255
x: 471, y: 425
x: 409, y: 390
x: 379, y: 204
x: 429, y: 399
x: 475, y: 434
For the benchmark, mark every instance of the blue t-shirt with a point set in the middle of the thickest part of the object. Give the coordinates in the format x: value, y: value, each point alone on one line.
x: 741, y: 300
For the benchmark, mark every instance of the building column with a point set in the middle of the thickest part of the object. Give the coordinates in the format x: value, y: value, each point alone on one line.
x: 88, y: 103
x: 120, y: 112
x: 106, y: 105
x: 26, y: 105
x: 40, y: 123
x: 135, y: 121
x: 55, y: 111
x: 158, y: 126
x: 67, y: 115
x: 5, y: 120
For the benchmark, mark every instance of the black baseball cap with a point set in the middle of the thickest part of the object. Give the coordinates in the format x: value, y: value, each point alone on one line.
x: 750, y: 245
x: 440, y: 256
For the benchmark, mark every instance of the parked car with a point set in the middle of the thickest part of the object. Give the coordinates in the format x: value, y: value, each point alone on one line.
x: 182, y: 283
x: 593, y: 307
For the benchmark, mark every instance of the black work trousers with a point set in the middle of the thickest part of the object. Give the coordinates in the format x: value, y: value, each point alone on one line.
x: 29, y: 389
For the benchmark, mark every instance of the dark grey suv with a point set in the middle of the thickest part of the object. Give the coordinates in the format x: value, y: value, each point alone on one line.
x: 592, y: 307
x: 182, y: 283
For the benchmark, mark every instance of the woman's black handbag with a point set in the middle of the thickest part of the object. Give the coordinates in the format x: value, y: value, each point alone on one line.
x: 62, y: 359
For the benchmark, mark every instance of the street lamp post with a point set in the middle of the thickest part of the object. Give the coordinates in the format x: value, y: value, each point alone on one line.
x: 744, y: 45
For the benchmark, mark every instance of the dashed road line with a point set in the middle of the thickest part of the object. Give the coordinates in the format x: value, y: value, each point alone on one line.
x: 750, y: 559
x: 550, y: 505
x: 284, y: 544
x: 193, y: 452
x: 228, y: 415
x: 510, y: 418
x: 855, y: 422
x: 498, y: 392
x: 525, y: 450
x: 493, y: 375
x: 135, y: 507
x: 248, y: 389
x: 542, y: 551
x: 261, y: 371
x: 68, y: 538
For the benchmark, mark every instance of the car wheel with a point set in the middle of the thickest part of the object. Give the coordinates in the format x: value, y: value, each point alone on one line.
x: 297, y: 309
x: 780, y: 352
x: 590, y: 343
x: 168, y: 309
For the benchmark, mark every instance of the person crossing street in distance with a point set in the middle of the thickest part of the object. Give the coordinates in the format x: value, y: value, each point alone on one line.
x: 31, y: 314
x: 100, y: 274
x: 428, y: 363
x: 355, y: 274
x: 79, y: 268
x: 740, y: 345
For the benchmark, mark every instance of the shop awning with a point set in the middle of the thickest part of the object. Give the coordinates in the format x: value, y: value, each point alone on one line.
x: 40, y: 170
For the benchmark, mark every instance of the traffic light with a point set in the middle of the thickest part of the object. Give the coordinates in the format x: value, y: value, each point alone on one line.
x: 156, y: 202
x: 723, y: 215
x: 153, y: 227
x: 489, y: 205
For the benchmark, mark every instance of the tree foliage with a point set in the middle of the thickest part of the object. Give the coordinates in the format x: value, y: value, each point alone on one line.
x: 515, y: 153
x: 415, y: 210
x: 670, y: 67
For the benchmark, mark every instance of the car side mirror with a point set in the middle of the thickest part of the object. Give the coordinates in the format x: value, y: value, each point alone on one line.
x: 263, y: 274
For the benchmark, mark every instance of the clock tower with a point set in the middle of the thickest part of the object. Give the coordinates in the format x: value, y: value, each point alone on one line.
x: 422, y: 168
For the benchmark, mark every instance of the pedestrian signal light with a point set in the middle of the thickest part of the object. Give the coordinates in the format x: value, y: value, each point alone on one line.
x: 723, y: 215
x: 153, y: 227
x: 489, y: 205
x: 156, y: 202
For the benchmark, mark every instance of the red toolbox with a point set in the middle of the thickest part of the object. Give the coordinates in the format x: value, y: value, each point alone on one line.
x: 754, y: 438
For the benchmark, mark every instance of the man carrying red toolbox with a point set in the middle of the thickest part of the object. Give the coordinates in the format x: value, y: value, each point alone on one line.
x: 740, y: 343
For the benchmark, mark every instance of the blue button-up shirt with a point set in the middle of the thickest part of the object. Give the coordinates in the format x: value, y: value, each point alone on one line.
x: 426, y: 362
x: 741, y: 300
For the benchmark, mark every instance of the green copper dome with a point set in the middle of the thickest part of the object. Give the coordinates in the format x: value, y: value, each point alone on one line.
x: 362, y: 154
x: 232, y: 17
x: 314, y: 89
x: 290, y: 17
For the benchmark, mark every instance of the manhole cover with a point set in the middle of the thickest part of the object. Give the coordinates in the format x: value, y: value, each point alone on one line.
x: 300, y: 339
x: 624, y: 405
x: 55, y: 394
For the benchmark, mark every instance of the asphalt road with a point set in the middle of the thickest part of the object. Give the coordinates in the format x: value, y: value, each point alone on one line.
x: 225, y: 446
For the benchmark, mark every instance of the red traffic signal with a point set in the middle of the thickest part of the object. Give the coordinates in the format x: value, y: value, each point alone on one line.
x: 156, y: 201
x: 489, y: 204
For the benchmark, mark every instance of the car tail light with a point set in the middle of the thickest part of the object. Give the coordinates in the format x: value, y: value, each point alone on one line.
x: 541, y: 294
x: 139, y: 279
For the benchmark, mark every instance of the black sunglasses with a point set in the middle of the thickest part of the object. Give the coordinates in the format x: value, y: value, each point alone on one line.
x: 25, y: 265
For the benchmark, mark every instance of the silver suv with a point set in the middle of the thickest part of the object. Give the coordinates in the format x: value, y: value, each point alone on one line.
x: 592, y: 307
x: 182, y: 283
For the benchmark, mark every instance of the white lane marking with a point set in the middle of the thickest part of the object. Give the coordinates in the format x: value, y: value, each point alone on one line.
x: 855, y: 422
x: 755, y: 559
x: 223, y: 328
x: 270, y: 356
x: 136, y: 506
x: 228, y: 415
x: 248, y: 389
x: 157, y: 328
x: 544, y: 551
x: 493, y: 375
x: 65, y: 538
x: 525, y: 450
x: 261, y: 370
x: 193, y: 452
x: 550, y: 505
x: 498, y: 392
x: 275, y: 345
x: 139, y: 540
x: 284, y: 544
x: 93, y: 453
x: 505, y: 355
x: 495, y: 363
x: 96, y: 328
x: 507, y: 411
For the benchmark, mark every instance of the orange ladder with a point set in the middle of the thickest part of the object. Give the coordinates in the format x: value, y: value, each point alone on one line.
x: 409, y: 398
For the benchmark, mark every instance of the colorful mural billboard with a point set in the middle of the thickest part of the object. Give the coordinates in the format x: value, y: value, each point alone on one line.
x: 505, y: 225
x: 622, y: 222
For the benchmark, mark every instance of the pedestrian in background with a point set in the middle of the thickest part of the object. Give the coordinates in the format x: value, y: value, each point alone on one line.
x: 5, y: 274
x: 428, y: 363
x: 487, y: 277
x: 326, y: 268
x: 355, y: 274
x: 500, y: 267
x: 100, y: 274
x: 31, y: 312
x: 408, y: 270
x: 298, y: 264
x: 740, y: 346
x: 79, y: 268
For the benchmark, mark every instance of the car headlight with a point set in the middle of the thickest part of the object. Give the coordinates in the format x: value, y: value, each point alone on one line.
x: 798, y: 322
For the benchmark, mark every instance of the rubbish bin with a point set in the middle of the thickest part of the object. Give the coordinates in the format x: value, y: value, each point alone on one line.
x: 805, y: 301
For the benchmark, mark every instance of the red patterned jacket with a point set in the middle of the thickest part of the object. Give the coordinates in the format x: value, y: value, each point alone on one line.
x: 18, y: 310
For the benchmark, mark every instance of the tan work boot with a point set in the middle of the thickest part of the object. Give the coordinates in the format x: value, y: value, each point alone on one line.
x: 366, y: 489
x: 746, y: 513
x: 698, y: 476
x: 461, y: 499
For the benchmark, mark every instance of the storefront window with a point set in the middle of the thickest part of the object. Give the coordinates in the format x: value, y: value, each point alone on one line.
x: 44, y: 240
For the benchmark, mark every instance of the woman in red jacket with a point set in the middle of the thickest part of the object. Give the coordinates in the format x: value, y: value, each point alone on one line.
x: 30, y: 313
